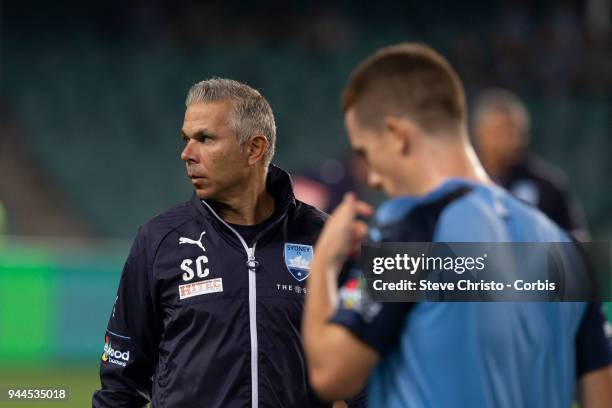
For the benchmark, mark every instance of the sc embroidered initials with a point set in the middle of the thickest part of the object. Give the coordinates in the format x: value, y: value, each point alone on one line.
x: 200, y: 265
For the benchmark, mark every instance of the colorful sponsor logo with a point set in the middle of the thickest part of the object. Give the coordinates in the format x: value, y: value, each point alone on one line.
x: 114, y: 356
x: 353, y: 296
x: 350, y: 294
x: 200, y: 288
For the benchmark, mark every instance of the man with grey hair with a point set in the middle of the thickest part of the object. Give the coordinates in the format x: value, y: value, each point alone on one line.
x: 209, y: 305
x: 501, y: 129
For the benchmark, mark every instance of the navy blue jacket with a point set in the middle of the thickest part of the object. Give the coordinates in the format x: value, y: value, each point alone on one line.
x: 204, y: 320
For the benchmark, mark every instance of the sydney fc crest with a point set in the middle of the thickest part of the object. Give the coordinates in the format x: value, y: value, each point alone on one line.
x: 298, y: 259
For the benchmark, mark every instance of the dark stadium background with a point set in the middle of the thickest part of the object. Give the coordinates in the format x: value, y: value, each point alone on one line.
x: 92, y: 98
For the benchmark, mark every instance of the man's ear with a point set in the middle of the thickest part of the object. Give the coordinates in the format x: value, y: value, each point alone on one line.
x: 402, y: 133
x: 256, y: 148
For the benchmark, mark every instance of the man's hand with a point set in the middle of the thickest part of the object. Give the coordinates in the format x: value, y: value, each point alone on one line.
x: 339, y: 363
x: 595, y: 389
x: 341, y: 238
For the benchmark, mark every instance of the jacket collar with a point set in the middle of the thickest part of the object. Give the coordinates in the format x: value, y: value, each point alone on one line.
x: 278, y: 185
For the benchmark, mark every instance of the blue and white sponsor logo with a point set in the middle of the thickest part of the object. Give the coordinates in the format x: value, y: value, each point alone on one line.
x: 298, y: 259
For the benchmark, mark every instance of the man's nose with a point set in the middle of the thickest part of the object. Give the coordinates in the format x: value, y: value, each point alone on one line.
x: 189, y: 154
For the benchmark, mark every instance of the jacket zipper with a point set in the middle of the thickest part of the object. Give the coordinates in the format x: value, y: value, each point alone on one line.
x: 252, y: 267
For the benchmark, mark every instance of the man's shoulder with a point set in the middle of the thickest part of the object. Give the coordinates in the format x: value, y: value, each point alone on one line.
x: 169, y: 220
x: 306, y: 214
x: 412, y: 219
x: 493, y: 214
x: 152, y: 233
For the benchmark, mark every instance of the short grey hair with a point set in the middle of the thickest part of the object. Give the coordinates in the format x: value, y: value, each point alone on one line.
x: 502, y: 100
x: 251, y: 114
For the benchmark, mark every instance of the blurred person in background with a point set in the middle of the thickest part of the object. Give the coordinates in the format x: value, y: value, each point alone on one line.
x: 405, y: 113
x: 209, y: 305
x: 501, y: 130
x: 325, y: 184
